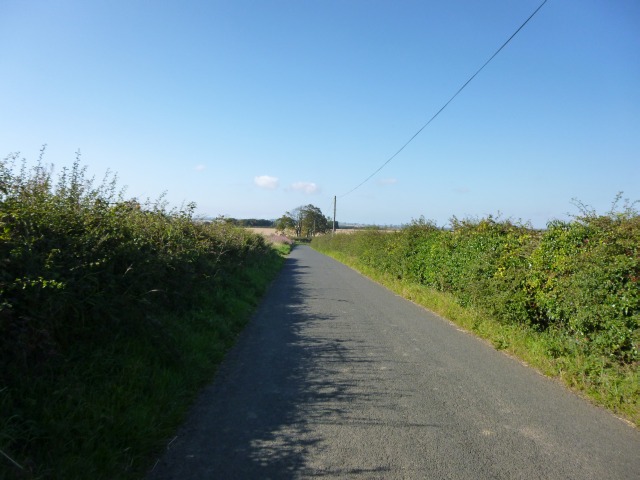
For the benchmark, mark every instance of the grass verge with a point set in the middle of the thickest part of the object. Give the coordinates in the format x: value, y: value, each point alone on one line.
x: 613, y: 387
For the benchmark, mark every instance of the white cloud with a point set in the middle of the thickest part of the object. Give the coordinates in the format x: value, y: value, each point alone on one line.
x: 200, y: 168
x: 265, y: 181
x: 306, y: 187
x: 387, y: 181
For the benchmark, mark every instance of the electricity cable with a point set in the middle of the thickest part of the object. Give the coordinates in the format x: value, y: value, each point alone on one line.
x: 446, y: 104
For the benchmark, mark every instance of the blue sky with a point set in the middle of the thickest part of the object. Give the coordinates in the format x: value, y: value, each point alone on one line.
x: 252, y: 108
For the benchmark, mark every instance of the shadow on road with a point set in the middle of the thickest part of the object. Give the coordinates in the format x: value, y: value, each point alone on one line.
x: 332, y: 378
x: 295, y: 373
x: 315, y: 383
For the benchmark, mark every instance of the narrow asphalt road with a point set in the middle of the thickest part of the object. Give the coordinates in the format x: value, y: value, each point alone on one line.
x: 336, y: 377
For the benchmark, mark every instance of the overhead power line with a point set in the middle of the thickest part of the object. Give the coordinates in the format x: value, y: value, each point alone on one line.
x: 446, y: 104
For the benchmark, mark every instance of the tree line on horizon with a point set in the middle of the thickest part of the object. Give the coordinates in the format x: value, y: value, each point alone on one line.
x: 305, y: 221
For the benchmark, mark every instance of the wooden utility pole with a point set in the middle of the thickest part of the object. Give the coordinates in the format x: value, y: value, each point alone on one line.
x: 334, y: 214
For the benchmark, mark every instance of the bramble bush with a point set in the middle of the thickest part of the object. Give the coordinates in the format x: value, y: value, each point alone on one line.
x: 83, y: 272
x: 576, y: 280
x: 584, y: 282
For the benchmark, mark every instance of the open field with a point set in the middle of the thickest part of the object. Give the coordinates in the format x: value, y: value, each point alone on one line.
x: 265, y: 231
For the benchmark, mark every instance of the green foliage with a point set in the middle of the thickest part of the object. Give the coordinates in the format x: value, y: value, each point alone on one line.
x: 250, y: 222
x: 584, y: 280
x: 112, y: 313
x: 575, y: 283
x: 304, y: 222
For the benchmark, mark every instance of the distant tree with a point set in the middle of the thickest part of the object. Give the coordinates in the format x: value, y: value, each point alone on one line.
x: 248, y: 222
x: 314, y: 221
x: 285, y: 224
x: 254, y: 222
x: 304, y: 221
x: 263, y: 223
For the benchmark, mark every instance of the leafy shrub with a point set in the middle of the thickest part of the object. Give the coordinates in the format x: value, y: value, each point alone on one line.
x: 85, y: 273
x: 585, y: 281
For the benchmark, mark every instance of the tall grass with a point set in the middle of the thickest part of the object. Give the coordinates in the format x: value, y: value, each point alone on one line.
x: 566, y: 299
x: 112, y: 314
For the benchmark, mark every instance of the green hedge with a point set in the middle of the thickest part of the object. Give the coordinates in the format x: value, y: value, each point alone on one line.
x: 577, y: 280
x: 78, y: 260
x: 112, y: 314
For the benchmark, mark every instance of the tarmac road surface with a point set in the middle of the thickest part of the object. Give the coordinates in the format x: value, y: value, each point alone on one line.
x: 336, y: 377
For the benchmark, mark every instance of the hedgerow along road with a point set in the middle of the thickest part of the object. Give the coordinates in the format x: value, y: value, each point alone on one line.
x: 336, y: 377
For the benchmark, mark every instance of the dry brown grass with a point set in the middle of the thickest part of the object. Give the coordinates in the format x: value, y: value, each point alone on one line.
x: 266, y: 231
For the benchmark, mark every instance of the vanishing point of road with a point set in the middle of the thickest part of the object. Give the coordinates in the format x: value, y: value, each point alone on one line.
x: 336, y: 377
